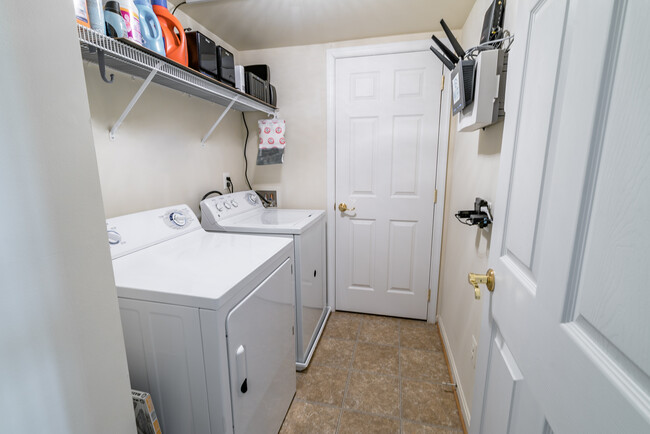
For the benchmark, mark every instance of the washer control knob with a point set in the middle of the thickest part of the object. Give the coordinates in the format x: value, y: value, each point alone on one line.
x: 234, y: 203
x: 252, y: 198
x: 178, y: 218
x: 219, y: 206
x: 227, y: 205
x: 114, y: 238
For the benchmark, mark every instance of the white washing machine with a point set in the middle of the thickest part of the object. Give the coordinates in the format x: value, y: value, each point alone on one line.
x: 243, y: 212
x: 208, y: 321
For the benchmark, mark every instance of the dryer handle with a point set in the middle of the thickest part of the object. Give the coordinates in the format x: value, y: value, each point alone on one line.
x: 242, y: 374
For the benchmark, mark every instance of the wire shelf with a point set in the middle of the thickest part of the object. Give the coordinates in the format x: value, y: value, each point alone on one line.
x: 134, y: 61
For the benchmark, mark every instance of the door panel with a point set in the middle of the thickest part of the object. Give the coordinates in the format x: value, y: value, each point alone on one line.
x: 261, y: 354
x: 363, y: 257
x: 569, y: 300
x: 407, y: 132
x: 387, y: 110
x: 165, y: 357
x: 532, y: 136
x: 363, y: 143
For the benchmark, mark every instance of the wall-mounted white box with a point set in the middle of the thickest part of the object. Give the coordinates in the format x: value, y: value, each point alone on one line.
x: 489, y: 92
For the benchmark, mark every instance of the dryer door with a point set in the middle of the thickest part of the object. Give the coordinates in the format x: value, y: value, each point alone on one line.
x: 261, y: 351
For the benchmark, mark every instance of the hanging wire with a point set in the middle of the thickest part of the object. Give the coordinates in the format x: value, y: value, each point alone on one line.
x: 177, y: 6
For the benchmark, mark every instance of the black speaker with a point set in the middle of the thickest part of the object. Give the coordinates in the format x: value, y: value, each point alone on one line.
x: 226, y: 66
x: 262, y: 71
x: 273, y: 96
x: 202, y: 53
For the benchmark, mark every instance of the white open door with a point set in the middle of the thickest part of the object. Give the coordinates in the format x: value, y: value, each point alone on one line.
x: 565, y: 337
x: 387, y: 120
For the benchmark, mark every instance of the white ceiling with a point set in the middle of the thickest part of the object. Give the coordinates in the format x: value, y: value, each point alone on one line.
x: 254, y: 24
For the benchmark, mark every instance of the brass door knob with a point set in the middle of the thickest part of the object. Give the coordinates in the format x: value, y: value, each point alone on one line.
x: 476, y: 279
x: 343, y: 207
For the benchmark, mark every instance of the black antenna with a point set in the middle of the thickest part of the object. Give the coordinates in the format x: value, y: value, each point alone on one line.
x: 450, y: 66
x: 454, y: 42
x: 445, y: 50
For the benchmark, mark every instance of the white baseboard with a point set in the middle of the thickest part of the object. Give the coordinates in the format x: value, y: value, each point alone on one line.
x: 454, y: 373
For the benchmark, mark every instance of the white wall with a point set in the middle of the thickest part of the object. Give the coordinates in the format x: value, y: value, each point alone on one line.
x: 299, y: 74
x: 473, y: 168
x: 62, y: 364
x: 157, y: 159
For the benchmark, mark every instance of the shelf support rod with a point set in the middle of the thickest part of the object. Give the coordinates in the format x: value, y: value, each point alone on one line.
x: 207, y: 136
x: 135, y: 99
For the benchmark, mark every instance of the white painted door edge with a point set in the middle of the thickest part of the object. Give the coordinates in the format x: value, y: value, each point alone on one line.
x: 441, y: 169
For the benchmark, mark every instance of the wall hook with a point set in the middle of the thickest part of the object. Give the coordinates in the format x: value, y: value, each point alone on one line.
x: 102, y: 67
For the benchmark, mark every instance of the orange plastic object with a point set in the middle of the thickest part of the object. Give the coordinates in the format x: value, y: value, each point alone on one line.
x: 175, y: 43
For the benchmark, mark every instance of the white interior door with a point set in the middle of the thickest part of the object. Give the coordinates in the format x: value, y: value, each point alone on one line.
x: 564, y: 342
x: 387, y: 111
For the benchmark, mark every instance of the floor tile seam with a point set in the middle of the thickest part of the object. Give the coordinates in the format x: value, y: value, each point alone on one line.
x: 399, y: 373
x: 347, y: 381
x: 379, y: 345
x: 433, y: 425
x: 322, y: 404
x: 423, y: 380
x: 367, y: 413
x: 421, y: 349
x: 320, y: 365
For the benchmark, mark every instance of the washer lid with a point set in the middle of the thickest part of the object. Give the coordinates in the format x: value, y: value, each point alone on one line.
x: 273, y: 221
x: 199, y: 269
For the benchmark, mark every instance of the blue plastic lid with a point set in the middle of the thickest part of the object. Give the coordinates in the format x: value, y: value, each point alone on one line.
x: 159, y: 3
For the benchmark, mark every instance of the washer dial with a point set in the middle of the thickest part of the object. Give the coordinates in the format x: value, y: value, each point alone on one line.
x: 114, y: 238
x: 252, y: 198
x: 178, y: 218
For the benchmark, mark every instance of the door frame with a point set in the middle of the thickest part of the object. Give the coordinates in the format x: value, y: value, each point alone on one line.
x: 441, y: 163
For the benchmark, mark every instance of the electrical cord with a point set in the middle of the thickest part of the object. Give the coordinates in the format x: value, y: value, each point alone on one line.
x: 177, y: 6
x: 465, y: 222
x: 209, y: 193
x: 491, y: 45
x: 243, y: 116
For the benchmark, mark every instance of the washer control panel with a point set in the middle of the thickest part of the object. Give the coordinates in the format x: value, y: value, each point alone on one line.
x: 218, y: 208
x: 133, y: 232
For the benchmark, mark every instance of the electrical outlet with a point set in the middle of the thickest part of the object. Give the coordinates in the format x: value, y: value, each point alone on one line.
x: 474, y: 347
x: 226, y: 175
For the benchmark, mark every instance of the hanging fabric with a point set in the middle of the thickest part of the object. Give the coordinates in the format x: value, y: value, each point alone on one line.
x: 271, y: 141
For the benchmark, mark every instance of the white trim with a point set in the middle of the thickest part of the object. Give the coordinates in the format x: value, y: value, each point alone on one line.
x: 454, y: 374
x: 441, y: 168
x: 439, y: 208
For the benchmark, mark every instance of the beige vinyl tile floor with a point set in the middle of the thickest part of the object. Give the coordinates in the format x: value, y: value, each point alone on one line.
x: 375, y: 374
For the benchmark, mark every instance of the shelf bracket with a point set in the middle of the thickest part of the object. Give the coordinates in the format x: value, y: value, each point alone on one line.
x: 207, y: 136
x: 135, y: 99
x: 102, y: 67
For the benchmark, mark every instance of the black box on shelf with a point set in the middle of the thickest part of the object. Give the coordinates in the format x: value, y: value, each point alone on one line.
x: 202, y: 53
x: 226, y: 66
x: 262, y: 71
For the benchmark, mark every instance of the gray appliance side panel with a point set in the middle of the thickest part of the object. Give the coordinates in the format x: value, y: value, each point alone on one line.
x: 311, y: 288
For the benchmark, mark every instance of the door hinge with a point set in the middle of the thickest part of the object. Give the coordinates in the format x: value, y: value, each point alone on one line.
x: 435, y: 196
x: 429, y: 296
x: 442, y: 83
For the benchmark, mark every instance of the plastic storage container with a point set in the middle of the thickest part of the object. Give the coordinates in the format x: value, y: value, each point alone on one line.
x: 81, y: 12
x: 132, y: 20
x: 151, y: 32
x: 175, y: 44
x: 96, y: 16
x: 115, y: 26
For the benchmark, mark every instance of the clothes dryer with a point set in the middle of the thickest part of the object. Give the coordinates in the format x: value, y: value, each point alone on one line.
x: 208, y: 321
x: 243, y: 212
